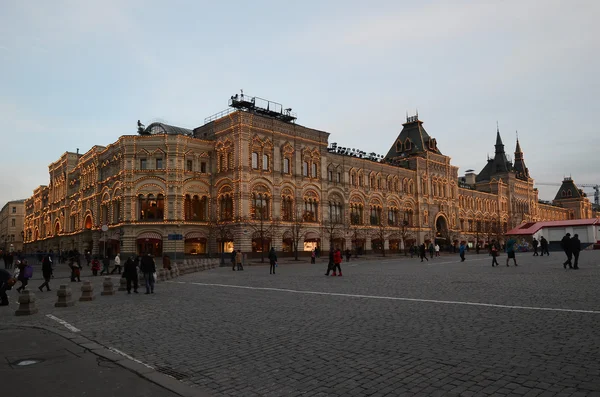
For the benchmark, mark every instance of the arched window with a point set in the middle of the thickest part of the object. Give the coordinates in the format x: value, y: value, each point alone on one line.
x: 314, y: 170
x: 311, y: 206
x: 356, y: 214
x: 254, y: 160
x: 286, y: 165
x: 260, y: 206
x: 104, y: 214
x: 287, y: 208
x: 393, y: 216
x: 336, y: 212
x: 116, y: 211
x: 226, y: 208
x: 305, y: 168
x: 375, y: 215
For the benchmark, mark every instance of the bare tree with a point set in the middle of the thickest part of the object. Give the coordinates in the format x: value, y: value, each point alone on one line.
x: 381, y: 232
x: 334, y: 230
x: 221, y: 231
x: 263, y: 228
x: 355, y: 231
x: 296, y: 229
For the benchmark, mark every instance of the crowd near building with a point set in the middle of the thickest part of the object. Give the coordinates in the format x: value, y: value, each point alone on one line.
x: 251, y: 178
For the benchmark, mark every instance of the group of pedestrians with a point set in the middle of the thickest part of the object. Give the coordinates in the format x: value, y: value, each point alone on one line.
x: 542, y: 244
x: 335, y: 262
x: 572, y: 247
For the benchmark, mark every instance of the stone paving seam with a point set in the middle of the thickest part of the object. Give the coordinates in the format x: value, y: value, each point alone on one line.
x: 143, y: 371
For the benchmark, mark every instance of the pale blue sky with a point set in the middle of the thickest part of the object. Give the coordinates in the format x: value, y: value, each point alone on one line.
x: 79, y: 73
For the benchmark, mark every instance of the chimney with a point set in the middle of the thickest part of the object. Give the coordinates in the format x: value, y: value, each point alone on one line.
x: 470, y: 176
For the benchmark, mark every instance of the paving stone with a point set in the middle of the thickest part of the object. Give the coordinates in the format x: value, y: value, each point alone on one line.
x: 246, y: 342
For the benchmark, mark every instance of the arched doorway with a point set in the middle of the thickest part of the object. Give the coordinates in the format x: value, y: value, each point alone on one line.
x: 149, y: 243
x: 441, y: 230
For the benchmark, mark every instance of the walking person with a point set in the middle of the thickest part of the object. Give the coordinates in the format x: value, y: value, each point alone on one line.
x: 565, y: 244
x: 437, y: 249
x: 131, y: 275
x: 535, y: 244
x: 117, y: 264
x: 148, y: 267
x: 313, y: 256
x: 233, y: 259
x: 95, y: 266
x: 272, y: 260
x: 330, y: 261
x: 431, y: 250
x: 544, y: 246
x: 348, y: 254
x: 510, y: 250
x: 6, y: 283
x: 575, y: 249
x: 238, y: 260
x: 494, y: 253
x: 423, y: 253
x: 337, y: 261
x: 25, y: 273
x: 105, y: 265
x: 461, y: 250
x: 46, y: 273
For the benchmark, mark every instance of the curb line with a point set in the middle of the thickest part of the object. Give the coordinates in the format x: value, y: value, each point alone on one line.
x: 143, y: 371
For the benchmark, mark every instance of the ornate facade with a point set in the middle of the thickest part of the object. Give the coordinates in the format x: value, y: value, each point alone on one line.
x: 250, y: 181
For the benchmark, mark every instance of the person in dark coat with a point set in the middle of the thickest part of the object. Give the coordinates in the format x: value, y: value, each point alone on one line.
x: 544, y: 245
x: 105, y: 265
x: 494, y: 253
x: 575, y: 249
x: 24, y: 280
x: 6, y: 282
x: 565, y: 244
x: 535, y: 244
x: 272, y: 260
x: 130, y: 274
x: 46, y: 273
x: 330, y: 262
x: 148, y: 267
x: 233, y: 254
x: 422, y: 252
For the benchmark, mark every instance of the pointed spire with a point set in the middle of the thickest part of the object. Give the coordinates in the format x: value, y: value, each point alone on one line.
x: 518, y: 148
x: 499, y: 144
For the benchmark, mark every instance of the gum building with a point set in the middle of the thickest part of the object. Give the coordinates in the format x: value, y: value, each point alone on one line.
x: 251, y: 178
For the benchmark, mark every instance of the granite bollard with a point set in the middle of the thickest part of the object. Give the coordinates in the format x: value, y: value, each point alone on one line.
x: 65, y: 298
x: 107, y: 287
x: 27, y: 304
x: 87, y: 292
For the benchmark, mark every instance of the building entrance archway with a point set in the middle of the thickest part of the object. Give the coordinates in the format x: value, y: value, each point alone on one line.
x: 441, y: 229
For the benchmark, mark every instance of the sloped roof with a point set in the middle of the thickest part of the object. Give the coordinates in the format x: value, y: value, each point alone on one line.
x: 418, y: 140
x: 528, y: 229
x: 519, y: 166
x: 161, y: 128
x: 568, y: 190
x: 499, y: 164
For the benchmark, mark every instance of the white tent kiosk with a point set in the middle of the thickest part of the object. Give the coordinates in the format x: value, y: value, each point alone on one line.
x: 588, y: 231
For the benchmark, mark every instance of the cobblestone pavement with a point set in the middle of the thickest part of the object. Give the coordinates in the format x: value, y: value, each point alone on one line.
x: 386, y: 328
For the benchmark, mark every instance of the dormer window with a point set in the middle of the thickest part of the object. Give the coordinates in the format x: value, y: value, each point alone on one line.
x: 398, y: 146
x: 407, y: 145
